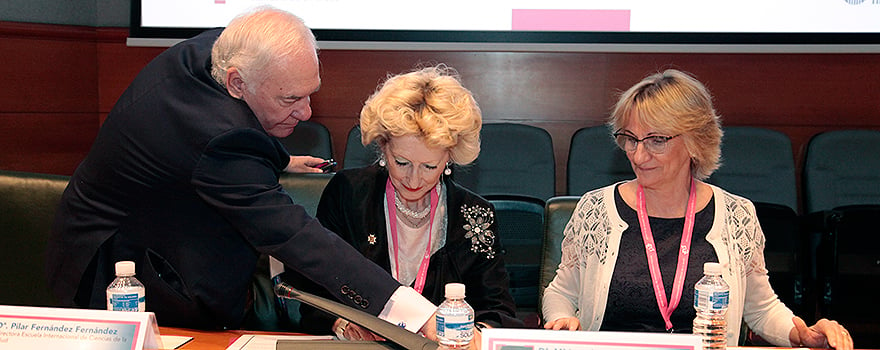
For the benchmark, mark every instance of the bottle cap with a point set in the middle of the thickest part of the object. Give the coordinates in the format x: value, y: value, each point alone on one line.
x: 711, y: 268
x: 125, y: 268
x: 454, y: 291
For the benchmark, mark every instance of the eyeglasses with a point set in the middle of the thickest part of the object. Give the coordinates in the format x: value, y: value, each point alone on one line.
x: 655, y: 144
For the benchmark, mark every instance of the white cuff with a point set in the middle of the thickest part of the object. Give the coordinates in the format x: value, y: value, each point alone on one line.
x: 408, y: 309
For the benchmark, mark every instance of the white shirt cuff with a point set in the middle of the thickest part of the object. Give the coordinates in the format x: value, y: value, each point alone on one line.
x: 408, y: 309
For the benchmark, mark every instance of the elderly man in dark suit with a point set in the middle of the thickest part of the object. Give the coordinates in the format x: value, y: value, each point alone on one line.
x: 183, y: 180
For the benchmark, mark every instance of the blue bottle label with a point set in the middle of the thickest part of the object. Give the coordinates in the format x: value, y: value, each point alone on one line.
x: 126, y: 302
x: 455, y: 327
x: 711, y: 300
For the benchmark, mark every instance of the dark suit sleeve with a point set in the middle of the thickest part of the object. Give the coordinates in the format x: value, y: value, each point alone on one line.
x: 237, y: 175
x: 329, y: 210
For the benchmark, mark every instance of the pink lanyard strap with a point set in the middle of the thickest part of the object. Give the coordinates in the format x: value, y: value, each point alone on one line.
x: 653, y: 264
x: 392, y: 221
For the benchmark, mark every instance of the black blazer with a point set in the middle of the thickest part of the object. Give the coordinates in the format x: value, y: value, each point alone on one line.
x: 352, y: 205
x: 183, y: 180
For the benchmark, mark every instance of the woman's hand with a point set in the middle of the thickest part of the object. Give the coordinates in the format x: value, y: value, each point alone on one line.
x: 303, y: 164
x: 565, y: 323
x: 823, y: 334
x: 355, y: 332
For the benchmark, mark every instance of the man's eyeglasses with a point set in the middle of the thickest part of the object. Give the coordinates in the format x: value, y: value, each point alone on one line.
x: 655, y: 144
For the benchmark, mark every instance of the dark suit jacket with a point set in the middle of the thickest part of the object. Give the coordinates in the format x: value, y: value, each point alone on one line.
x: 183, y: 180
x: 352, y: 205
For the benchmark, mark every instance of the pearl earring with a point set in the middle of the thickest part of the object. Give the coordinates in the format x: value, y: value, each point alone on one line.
x: 382, y: 162
x: 448, y: 170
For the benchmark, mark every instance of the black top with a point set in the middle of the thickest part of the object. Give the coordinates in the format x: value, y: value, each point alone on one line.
x: 183, y: 180
x: 352, y: 205
x: 631, y: 304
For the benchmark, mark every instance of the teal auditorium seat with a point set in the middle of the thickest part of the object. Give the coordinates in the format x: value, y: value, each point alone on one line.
x: 521, y: 226
x: 841, y: 180
x: 841, y: 168
x: 516, y: 172
x: 356, y: 154
x: 758, y: 164
x: 595, y: 161
x: 557, y: 213
x: 309, y: 139
x: 305, y: 189
x: 27, y: 209
x: 515, y: 159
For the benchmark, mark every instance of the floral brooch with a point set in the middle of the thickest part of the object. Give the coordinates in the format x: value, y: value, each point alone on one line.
x: 477, y: 222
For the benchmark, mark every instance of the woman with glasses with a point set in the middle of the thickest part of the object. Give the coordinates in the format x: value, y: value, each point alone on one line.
x: 660, y: 228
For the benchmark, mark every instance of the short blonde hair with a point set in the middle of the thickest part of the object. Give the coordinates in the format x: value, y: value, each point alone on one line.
x: 430, y: 103
x: 674, y: 102
x: 255, y: 39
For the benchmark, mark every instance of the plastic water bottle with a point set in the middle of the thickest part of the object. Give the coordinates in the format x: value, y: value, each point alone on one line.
x: 455, y: 319
x: 711, y: 297
x: 125, y: 293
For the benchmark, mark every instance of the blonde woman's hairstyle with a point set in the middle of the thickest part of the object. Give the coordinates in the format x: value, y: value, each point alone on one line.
x: 254, y: 39
x: 430, y: 103
x: 674, y: 102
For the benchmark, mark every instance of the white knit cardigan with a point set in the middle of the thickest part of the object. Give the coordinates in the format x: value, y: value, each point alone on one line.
x: 590, y: 249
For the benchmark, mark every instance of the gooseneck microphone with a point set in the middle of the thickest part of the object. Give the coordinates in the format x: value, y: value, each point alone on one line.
x: 398, y: 338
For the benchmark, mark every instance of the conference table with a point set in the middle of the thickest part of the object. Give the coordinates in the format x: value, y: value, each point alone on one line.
x: 208, y: 340
x: 203, y: 339
x: 220, y: 340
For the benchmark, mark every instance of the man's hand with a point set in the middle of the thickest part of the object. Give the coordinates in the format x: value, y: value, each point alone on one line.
x: 352, y: 331
x: 304, y: 164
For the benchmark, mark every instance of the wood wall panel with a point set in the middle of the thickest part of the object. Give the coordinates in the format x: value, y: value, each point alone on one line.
x: 798, y: 94
x: 53, y: 143
x: 48, y: 99
x: 47, y: 68
x: 508, y: 86
x: 118, y: 64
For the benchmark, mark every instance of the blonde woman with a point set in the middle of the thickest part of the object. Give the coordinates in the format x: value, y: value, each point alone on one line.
x: 633, y: 250
x: 405, y: 212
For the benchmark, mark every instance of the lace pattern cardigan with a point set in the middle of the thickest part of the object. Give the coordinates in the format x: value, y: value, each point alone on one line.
x: 589, y: 252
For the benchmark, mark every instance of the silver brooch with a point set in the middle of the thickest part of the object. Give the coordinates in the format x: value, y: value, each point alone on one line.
x: 371, y: 239
x: 477, y: 222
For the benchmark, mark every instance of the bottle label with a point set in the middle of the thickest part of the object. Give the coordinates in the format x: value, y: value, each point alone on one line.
x: 455, y: 327
x: 126, y: 302
x: 711, y: 300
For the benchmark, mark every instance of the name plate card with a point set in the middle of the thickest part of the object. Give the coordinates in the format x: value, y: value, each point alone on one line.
x: 539, y: 339
x: 23, y: 327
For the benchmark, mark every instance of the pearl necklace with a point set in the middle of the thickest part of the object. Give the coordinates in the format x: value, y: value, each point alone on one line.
x: 409, y: 212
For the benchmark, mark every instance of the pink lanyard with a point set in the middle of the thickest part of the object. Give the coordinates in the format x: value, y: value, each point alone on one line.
x: 392, y: 220
x: 654, y: 266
